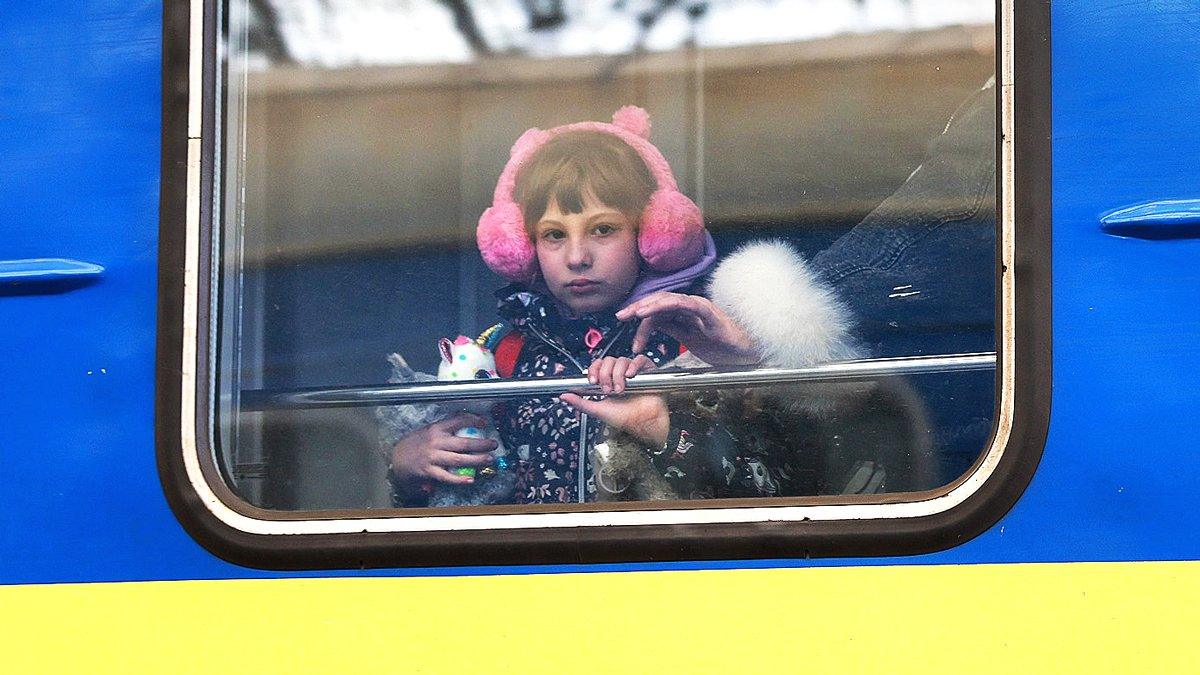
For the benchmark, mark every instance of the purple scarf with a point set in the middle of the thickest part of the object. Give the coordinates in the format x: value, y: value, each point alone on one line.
x: 653, y: 282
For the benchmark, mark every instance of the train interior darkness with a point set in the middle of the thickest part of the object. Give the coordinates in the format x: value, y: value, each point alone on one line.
x: 353, y: 181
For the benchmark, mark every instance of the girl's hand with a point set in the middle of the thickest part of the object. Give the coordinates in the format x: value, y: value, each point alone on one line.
x: 611, y: 372
x: 706, y: 330
x: 430, y: 453
x: 645, y: 416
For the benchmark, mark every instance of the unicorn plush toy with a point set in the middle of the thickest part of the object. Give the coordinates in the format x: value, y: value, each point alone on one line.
x: 463, y: 359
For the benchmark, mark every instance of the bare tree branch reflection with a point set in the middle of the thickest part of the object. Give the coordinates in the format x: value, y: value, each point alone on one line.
x: 264, y: 35
x: 646, y: 22
x: 464, y: 20
x: 545, y: 14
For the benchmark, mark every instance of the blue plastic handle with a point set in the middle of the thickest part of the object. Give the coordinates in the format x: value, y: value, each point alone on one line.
x: 45, y: 275
x: 1165, y: 219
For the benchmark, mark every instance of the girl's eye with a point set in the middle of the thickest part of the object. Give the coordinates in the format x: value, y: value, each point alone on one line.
x: 605, y: 228
x: 553, y: 235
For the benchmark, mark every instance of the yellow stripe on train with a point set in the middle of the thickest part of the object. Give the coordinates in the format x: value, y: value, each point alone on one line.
x: 1116, y: 617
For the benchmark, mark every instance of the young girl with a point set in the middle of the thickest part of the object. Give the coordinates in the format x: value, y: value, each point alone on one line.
x: 588, y: 224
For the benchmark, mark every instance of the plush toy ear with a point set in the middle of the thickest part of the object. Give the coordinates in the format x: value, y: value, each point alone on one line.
x: 446, y: 348
x: 529, y: 139
x: 634, y: 120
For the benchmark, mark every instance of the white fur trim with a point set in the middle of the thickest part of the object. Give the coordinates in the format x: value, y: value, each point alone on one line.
x: 796, y: 319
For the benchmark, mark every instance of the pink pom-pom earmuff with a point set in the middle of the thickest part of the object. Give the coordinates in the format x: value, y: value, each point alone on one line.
x: 671, y: 233
x: 503, y: 243
x: 634, y: 119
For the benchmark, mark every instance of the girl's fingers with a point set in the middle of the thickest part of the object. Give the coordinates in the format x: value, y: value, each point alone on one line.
x: 620, y: 367
x: 698, y: 309
x: 594, y: 408
x: 640, y: 363
x: 442, y: 475
x: 629, y: 311
x: 644, y: 331
x: 454, y: 459
x: 636, y: 309
x: 611, y: 372
x: 667, y: 302
x: 678, y: 316
x: 644, y: 416
x: 471, y: 445
x: 605, y: 374
x: 646, y: 307
x: 455, y: 422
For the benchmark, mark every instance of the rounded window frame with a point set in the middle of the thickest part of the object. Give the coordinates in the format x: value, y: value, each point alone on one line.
x: 902, y: 523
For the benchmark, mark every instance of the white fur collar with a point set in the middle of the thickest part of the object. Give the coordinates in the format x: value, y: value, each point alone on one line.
x: 794, y: 317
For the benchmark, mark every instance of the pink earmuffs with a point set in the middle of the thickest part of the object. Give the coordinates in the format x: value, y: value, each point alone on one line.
x: 671, y: 234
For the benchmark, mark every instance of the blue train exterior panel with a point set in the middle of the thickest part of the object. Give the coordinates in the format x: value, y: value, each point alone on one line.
x: 79, y: 180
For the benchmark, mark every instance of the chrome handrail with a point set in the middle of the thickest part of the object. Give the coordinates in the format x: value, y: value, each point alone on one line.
x: 645, y: 383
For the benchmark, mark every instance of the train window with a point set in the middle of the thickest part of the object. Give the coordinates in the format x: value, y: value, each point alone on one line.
x: 493, y: 267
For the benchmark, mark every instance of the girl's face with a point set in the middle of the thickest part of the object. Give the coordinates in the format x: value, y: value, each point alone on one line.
x: 589, y: 260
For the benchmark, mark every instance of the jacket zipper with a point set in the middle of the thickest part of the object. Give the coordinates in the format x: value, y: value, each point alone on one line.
x: 584, y: 450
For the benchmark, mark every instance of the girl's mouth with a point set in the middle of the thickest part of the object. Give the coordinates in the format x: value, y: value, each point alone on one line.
x: 582, y: 285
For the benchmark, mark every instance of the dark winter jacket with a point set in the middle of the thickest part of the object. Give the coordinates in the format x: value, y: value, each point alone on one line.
x: 778, y: 441
x: 544, y: 434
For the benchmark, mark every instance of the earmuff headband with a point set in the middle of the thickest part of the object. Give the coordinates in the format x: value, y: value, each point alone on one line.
x: 671, y: 233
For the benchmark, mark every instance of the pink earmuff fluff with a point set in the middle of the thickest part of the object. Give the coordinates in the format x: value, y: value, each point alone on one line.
x: 671, y: 234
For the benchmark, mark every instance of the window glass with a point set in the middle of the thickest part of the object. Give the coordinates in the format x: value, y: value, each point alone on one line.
x: 784, y: 191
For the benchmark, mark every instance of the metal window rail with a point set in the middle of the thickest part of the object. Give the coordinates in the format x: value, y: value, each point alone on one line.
x: 645, y: 383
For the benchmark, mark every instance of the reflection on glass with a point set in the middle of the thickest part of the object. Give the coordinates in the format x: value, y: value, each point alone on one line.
x: 849, y: 143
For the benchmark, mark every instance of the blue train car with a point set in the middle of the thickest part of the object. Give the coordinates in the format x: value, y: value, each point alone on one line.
x: 218, y: 218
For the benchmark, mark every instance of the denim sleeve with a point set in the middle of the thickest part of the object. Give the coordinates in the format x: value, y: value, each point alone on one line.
x: 919, y: 271
x: 919, y: 275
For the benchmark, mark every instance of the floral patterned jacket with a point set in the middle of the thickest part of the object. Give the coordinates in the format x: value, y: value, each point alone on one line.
x: 547, y: 438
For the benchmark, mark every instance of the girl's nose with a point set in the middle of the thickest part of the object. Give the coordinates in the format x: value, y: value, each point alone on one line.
x: 579, y: 254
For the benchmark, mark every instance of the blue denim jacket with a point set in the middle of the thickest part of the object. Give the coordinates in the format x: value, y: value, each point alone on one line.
x: 919, y: 273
